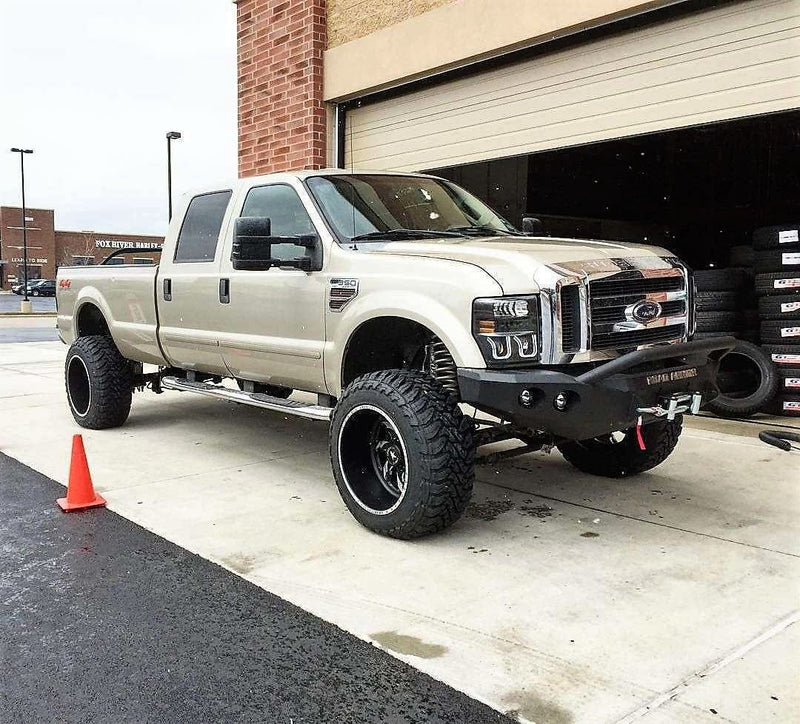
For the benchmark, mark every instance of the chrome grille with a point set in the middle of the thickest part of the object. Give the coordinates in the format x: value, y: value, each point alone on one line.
x: 570, y: 319
x: 612, y: 297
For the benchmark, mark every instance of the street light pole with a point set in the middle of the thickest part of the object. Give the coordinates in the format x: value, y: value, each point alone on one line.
x: 22, y: 152
x: 171, y: 135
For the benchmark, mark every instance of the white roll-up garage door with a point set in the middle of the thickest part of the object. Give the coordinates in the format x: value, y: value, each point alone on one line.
x: 739, y: 60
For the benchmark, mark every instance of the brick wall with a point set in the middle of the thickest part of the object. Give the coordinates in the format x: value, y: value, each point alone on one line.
x: 49, y: 248
x: 282, y: 121
x: 41, y: 245
x: 98, y: 245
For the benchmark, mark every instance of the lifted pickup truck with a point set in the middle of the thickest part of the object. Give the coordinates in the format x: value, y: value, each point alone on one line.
x: 396, y: 299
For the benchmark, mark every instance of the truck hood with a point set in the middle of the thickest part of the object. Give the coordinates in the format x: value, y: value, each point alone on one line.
x: 513, y: 260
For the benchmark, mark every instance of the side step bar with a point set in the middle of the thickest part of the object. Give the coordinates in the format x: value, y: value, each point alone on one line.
x: 255, y: 399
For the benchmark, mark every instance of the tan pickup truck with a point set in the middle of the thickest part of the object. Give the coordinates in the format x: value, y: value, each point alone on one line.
x: 397, y: 300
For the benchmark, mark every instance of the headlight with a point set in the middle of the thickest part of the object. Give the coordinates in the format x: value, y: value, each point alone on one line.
x: 507, y: 329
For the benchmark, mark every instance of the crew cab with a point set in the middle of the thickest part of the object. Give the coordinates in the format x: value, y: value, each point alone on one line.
x: 423, y: 323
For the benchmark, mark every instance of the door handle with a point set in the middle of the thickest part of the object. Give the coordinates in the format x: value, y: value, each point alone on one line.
x: 225, y: 291
x: 168, y: 290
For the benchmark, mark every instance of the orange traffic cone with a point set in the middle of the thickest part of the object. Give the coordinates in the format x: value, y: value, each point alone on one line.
x: 80, y: 491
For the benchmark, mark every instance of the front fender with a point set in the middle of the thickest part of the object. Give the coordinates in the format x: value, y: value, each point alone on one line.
x: 452, y: 329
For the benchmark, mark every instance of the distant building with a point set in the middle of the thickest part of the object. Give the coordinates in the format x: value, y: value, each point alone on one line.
x: 49, y: 248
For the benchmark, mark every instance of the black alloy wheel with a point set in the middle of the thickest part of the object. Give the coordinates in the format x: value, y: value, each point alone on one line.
x: 402, y: 453
x: 374, y: 460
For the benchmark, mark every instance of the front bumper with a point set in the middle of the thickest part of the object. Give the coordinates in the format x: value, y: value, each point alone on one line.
x: 609, y: 397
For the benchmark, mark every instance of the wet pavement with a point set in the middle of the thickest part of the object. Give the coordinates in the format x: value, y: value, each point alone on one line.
x: 28, y: 334
x: 11, y: 302
x: 103, y: 621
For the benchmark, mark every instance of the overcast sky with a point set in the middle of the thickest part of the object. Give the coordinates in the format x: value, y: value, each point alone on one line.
x: 93, y: 86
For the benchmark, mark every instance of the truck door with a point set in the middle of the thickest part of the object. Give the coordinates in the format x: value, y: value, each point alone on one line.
x: 187, y: 287
x: 272, y: 323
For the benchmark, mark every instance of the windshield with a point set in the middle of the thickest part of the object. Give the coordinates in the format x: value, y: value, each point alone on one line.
x: 376, y: 207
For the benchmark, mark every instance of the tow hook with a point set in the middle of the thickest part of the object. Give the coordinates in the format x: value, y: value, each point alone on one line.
x: 675, y: 405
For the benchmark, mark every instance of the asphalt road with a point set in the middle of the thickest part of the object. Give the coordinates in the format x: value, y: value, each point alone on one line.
x: 28, y: 334
x: 103, y: 621
x: 10, y: 303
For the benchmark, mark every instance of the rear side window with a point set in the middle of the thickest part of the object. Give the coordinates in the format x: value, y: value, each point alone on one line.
x: 201, y: 225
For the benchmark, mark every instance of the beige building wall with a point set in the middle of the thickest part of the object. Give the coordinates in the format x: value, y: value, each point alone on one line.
x: 392, y: 41
x: 352, y: 19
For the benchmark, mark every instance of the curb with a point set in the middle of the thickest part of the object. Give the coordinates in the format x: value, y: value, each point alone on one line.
x: 28, y: 314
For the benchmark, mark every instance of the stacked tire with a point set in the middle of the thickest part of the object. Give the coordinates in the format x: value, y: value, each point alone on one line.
x: 777, y: 284
x: 726, y: 306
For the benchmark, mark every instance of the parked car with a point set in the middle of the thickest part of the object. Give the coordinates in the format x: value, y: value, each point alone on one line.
x: 45, y: 288
x: 32, y: 284
x: 395, y: 298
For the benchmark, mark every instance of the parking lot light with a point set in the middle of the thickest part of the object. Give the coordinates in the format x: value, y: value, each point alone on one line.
x: 25, y: 305
x: 171, y: 136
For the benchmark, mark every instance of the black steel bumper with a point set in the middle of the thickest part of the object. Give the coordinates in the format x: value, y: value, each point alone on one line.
x: 603, y: 399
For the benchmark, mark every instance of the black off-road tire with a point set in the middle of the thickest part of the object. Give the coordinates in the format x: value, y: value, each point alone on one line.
x: 437, y: 442
x: 778, y: 307
x: 716, y: 280
x: 747, y: 382
x: 99, y: 383
x: 722, y: 301
x: 781, y: 331
x: 768, y: 237
x: 783, y: 355
x: 778, y: 260
x: 783, y: 283
x: 624, y: 459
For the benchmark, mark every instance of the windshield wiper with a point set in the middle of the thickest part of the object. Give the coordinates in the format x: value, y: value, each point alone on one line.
x: 481, y: 230
x: 400, y: 234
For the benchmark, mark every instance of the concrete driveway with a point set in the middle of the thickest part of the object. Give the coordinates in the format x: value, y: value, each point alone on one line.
x: 559, y: 598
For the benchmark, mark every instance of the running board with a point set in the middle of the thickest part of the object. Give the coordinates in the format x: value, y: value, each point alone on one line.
x: 255, y: 399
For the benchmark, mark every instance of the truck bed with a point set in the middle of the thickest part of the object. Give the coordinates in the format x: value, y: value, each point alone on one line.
x: 124, y: 294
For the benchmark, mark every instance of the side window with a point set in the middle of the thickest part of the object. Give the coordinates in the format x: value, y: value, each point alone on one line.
x: 285, y: 210
x: 199, y: 233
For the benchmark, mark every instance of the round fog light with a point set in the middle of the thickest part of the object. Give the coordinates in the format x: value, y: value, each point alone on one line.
x: 525, y: 398
x: 560, y: 401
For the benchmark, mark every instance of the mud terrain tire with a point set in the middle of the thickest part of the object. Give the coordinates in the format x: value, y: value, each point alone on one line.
x: 624, y: 458
x: 402, y: 415
x: 99, y: 383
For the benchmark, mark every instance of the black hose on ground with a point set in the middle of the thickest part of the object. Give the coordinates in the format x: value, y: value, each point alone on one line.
x: 779, y: 439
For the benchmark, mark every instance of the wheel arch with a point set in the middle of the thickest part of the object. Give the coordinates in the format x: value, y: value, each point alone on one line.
x: 90, y: 320
x: 381, y: 343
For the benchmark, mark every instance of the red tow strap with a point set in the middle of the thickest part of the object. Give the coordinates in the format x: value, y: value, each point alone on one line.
x: 639, y: 437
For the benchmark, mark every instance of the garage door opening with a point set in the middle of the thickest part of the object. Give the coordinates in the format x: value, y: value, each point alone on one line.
x: 701, y: 192
x: 697, y: 191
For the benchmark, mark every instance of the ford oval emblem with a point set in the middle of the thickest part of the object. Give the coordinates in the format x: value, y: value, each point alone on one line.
x: 646, y: 311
